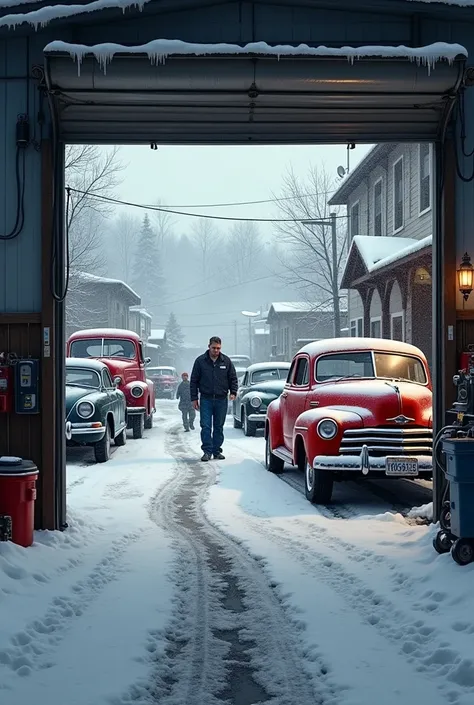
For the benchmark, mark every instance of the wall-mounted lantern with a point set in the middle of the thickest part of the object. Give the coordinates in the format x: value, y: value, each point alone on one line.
x: 465, y: 276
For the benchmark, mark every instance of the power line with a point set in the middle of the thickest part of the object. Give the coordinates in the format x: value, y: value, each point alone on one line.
x: 251, y: 203
x: 208, y: 216
x: 215, y: 291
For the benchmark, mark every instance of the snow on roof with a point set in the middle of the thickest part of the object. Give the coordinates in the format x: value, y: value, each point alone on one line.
x: 159, y: 50
x: 300, y: 307
x: 140, y: 309
x: 379, y: 252
x: 374, y: 249
x: 261, y: 331
x: 411, y: 249
x: 158, y: 333
x: 94, y: 279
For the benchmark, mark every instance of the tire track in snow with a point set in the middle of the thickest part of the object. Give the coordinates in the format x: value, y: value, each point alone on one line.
x: 33, y: 647
x: 418, y: 643
x: 230, y: 639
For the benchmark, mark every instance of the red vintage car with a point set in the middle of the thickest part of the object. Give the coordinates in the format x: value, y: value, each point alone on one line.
x: 122, y: 352
x: 352, y: 407
x: 165, y: 380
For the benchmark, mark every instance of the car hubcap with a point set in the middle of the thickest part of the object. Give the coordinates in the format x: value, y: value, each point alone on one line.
x: 465, y: 553
x: 309, y: 476
x: 245, y: 422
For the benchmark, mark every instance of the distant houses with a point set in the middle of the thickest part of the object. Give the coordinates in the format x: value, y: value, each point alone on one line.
x: 95, y: 302
x: 292, y: 324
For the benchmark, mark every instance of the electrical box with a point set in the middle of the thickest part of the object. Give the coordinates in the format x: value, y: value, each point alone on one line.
x: 27, y: 387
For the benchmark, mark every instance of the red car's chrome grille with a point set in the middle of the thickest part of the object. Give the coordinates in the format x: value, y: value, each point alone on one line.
x: 388, y: 441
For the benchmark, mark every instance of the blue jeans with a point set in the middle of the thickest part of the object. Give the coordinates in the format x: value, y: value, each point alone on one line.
x: 213, y: 415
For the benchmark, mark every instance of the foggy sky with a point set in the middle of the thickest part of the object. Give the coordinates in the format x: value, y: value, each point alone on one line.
x: 180, y: 176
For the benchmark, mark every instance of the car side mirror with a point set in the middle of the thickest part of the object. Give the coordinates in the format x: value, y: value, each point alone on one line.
x: 147, y: 360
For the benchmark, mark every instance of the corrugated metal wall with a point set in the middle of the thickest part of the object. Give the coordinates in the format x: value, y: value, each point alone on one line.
x: 20, y: 259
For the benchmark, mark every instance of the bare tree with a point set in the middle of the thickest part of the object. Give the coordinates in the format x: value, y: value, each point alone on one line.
x: 89, y: 171
x: 243, y: 251
x: 307, y: 252
x: 207, y: 238
x: 163, y: 225
x: 124, y: 238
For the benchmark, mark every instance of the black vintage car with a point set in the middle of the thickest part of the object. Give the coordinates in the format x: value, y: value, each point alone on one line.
x: 261, y: 384
x: 96, y: 411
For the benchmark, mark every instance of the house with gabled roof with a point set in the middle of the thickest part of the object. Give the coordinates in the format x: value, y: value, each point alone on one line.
x: 293, y: 323
x: 389, y: 199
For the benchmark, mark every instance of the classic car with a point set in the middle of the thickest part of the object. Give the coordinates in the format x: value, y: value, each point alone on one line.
x: 96, y: 411
x: 352, y: 407
x: 165, y: 380
x: 240, y: 375
x: 261, y: 384
x: 122, y: 352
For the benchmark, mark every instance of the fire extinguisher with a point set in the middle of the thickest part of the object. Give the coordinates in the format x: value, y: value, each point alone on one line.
x: 6, y: 389
x: 7, y: 396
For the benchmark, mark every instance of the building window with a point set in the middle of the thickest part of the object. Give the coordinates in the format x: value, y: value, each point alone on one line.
x: 378, y: 208
x: 357, y: 327
x: 355, y: 220
x: 286, y: 342
x: 397, y: 327
x: 425, y: 177
x: 398, y: 195
x: 375, y: 327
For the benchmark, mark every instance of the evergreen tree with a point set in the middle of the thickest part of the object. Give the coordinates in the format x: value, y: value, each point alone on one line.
x: 174, y: 338
x: 147, y: 274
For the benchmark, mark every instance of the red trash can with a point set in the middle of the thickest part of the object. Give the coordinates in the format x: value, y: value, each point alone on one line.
x: 17, y: 497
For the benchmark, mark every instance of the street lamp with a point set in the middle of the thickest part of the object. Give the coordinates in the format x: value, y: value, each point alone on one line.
x: 250, y: 315
x: 323, y: 222
x: 465, y: 276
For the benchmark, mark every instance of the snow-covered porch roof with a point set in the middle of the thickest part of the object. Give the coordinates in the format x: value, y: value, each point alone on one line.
x: 173, y: 91
x: 370, y: 256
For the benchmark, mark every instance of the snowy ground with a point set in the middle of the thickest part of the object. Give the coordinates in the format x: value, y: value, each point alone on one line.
x: 187, y: 584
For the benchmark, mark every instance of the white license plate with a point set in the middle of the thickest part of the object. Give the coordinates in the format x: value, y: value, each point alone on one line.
x: 401, y: 466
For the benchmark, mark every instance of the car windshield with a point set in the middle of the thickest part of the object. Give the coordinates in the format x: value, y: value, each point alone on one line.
x: 107, y: 347
x: 361, y: 364
x: 77, y: 377
x: 268, y: 375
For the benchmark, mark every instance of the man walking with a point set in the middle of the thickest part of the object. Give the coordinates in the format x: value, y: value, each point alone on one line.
x: 188, y: 412
x: 212, y: 378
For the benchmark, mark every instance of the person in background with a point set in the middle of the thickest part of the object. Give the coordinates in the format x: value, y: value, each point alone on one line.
x: 183, y: 393
x: 212, y: 378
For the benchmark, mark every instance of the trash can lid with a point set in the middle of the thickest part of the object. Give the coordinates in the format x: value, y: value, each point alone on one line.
x: 10, y: 460
x: 11, y: 466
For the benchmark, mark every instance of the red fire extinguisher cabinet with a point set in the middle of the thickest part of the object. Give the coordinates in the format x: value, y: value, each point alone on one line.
x: 17, y: 498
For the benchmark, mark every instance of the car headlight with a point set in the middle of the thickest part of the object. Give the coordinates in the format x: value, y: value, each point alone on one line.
x: 255, y: 402
x: 327, y: 429
x: 85, y: 409
x: 117, y: 381
x: 136, y: 392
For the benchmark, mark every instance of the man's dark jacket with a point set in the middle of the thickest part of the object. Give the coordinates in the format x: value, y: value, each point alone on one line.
x: 213, y: 380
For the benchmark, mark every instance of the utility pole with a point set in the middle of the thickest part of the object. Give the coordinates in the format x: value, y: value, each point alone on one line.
x: 323, y: 222
x: 250, y: 339
x: 335, y: 278
x: 235, y: 338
